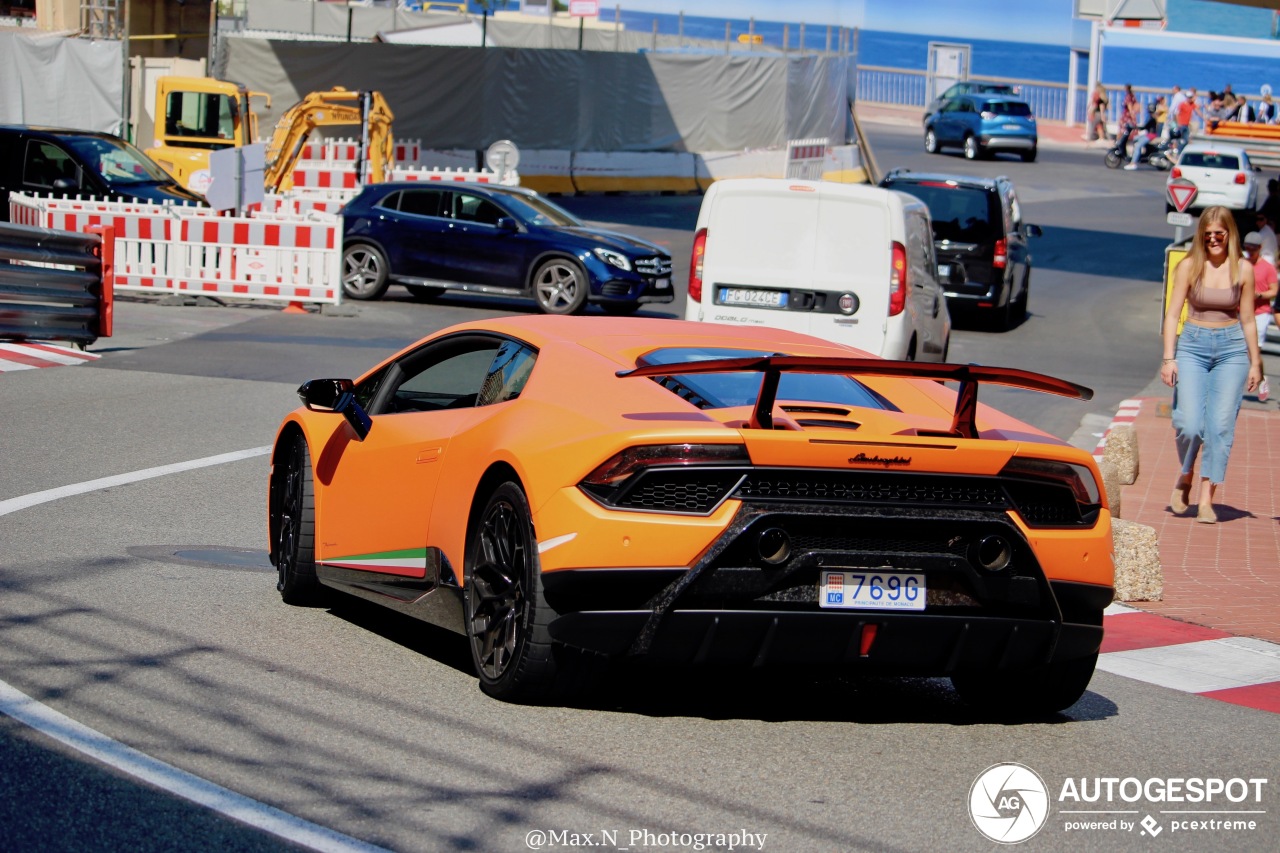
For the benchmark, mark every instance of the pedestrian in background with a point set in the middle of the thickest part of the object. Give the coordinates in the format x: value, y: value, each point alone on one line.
x: 1266, y: 112
x: 1097, y: 118
x: 1187, y: 110
x: 1215, y: 358
x: 1262, y: 225
x: 1266, y: 285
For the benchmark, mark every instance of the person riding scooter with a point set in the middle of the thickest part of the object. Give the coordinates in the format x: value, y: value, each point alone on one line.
x: 1145, y: 136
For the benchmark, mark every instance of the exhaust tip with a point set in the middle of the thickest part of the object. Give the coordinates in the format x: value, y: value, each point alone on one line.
x: 993, y: 554
x: 773, y: 546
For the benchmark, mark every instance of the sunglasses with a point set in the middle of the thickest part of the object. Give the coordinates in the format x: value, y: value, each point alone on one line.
x: 1214, y: 236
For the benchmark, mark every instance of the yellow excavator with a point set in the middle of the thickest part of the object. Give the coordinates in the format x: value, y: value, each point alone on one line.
x: 199, y: 115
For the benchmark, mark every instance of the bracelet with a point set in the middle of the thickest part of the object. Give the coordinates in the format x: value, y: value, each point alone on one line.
x: 1167, y: 360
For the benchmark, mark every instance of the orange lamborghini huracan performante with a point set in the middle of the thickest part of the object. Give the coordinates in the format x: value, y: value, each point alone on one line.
x: 568, y: 490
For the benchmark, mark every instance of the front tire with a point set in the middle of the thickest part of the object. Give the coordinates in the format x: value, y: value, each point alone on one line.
x: 560, y: 287
x: 972, y: 150
x: 930, y: 141
x: 295, y: 527
x: 1113, y: 159
x: 1051, y: 688
x: 364, y: 272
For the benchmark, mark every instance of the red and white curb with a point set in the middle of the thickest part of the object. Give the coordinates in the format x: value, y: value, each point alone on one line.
x: 31, y: 356
x: 1126, y: 413
x: 1191, y: 658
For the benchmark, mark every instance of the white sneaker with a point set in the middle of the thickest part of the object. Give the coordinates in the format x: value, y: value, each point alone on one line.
x: 1129, y: 167
x: 1264, y: 391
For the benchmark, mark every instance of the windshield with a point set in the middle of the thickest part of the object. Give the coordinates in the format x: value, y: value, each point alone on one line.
x: 536, y: 210
x: 960, y: 214
x: 1210, y: 160
x: 722, y: 390
x: 118, y: 162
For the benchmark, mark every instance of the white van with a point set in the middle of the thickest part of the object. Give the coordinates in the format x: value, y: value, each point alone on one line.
x: 850, y: 263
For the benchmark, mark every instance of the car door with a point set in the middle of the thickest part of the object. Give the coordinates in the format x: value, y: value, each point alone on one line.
x: 483, y: 252
x: 415, y: 230
x: 375, y: 496
x: 946, y: 125
x: 1016, y: 235
x: 927, y: 296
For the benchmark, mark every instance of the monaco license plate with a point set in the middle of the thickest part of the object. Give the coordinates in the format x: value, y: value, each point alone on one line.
x: 752, y: 297
x: 871, y: 590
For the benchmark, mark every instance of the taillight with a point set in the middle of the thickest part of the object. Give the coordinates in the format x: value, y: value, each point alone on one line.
x: 1176, y: 173
x: 695, y: 265
x: 1241, y: 178
x: 678, y: 478
x: 898, y: 280
x: 1001, y: 255
x: 1078, y: 478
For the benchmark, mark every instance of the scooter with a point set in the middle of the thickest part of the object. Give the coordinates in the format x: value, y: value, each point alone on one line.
x: 1160, y: 153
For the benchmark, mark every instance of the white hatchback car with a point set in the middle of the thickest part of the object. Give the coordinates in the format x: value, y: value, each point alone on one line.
x: 1222, y: 175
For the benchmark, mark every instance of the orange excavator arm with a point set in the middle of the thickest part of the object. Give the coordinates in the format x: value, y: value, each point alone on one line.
x: 338, y: 106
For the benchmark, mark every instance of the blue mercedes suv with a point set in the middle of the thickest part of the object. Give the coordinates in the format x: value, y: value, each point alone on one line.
x: 501, y: 241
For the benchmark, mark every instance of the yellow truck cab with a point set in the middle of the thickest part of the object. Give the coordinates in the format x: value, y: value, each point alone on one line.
x: 198, y: 115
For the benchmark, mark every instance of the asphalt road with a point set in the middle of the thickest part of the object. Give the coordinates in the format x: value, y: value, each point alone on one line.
x: 147, y: 612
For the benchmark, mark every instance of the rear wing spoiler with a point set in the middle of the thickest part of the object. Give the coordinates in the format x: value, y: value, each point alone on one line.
x: 963, y: 422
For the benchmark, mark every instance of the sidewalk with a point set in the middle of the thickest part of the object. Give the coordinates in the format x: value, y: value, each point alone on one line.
x: 1052, y: 133
x: 1225, y: 575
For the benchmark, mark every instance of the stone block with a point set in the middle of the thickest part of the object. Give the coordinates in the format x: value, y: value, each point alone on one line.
x: 1111, y: 485
x: 1122, y: 450
x: 1139, y: 575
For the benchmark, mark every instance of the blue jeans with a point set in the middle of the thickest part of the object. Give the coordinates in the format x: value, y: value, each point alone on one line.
x: 1213, y: 366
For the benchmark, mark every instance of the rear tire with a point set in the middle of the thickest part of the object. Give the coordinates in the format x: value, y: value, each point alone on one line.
x: 1113, y: 159
x: 1029, y: 156
x: 507, y: 615
x: 364, y: 272
x: 1047, y: 690
x: 972, y: 150
x: 1020, y: 305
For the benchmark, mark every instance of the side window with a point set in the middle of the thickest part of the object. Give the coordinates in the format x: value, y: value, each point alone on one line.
x: 507, y: 374
x: 422, y: 202
x: 46, y: 163
x: 367, y: 390
x: 474, y: 208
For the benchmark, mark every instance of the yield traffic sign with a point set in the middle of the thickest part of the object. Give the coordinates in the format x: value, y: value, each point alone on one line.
x: 1181, y: 193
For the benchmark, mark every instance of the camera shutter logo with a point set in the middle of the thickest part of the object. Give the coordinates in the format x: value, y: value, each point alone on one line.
x: 1008, y: 803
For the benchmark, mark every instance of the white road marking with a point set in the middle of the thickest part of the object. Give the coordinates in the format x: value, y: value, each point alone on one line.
x: 35, y: 498
x: 1201, y: 666
x: 93, y: 743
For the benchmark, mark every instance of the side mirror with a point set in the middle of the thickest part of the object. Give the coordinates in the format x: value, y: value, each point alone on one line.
x: 506, y: 223
x: 338, y: 396
x: 1034, y: 231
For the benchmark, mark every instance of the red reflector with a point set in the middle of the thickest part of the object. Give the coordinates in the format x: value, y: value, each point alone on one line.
x: 948, y: 184
x: 1176, y: 173
x: 868, y: 637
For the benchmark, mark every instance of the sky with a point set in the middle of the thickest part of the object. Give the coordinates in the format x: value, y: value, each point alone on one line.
x: 1039, y: 21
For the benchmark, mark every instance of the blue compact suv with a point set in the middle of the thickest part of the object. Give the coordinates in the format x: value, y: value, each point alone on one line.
x: 499, y: 241
x: 982, y: 124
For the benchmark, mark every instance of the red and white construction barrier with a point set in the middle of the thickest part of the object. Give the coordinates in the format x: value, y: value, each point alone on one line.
x: 160, y: 248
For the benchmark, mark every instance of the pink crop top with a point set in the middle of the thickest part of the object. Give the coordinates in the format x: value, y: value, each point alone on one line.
x: 1213, y: 304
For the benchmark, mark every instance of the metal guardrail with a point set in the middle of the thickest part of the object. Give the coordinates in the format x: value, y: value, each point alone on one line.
x: 882, y: 85
x: 55, y: 285
x: 1260, y: 142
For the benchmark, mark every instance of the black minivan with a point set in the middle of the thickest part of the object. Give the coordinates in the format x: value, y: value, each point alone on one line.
x: 977, y: 225
x: 51, y: 161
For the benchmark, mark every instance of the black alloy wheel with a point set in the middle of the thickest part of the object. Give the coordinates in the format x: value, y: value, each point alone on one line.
x: 295, y: 526
x: 364, y: 272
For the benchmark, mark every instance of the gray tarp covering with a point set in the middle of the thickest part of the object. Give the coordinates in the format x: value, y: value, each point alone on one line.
x: 560, y: 99
x: 61, y: 82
